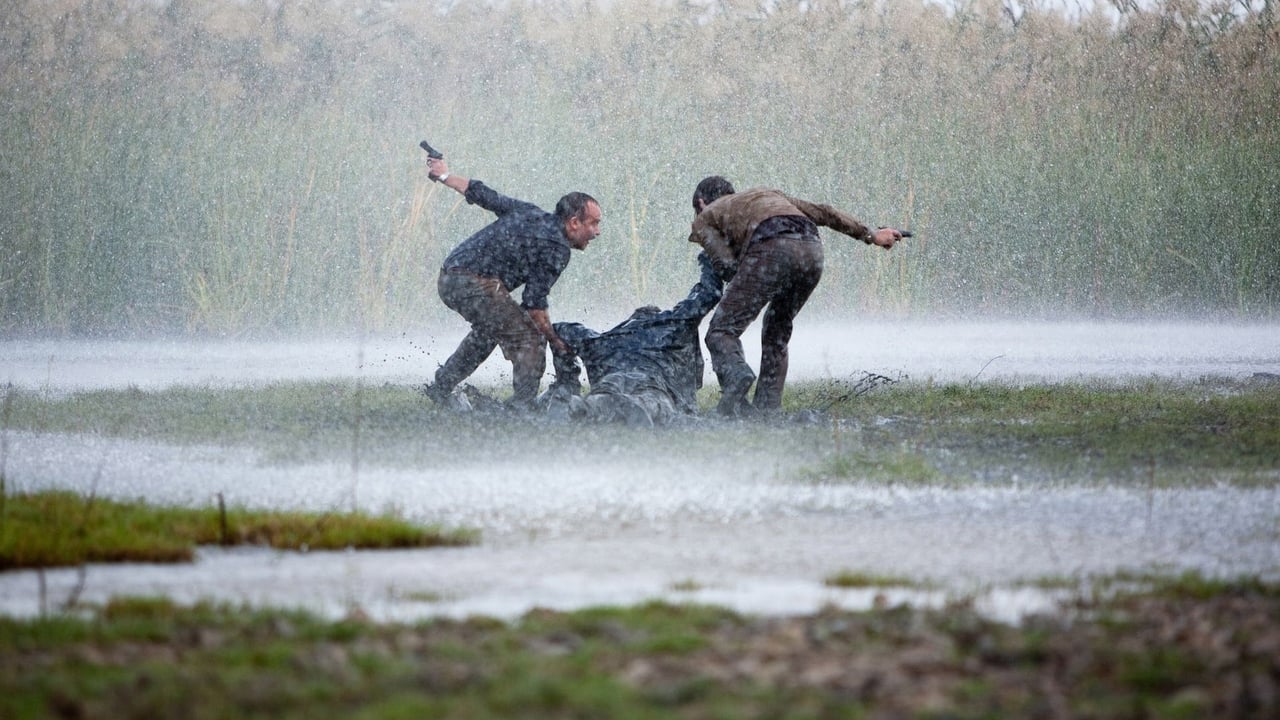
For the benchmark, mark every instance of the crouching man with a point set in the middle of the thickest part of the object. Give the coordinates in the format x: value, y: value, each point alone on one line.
x: 525, y: 246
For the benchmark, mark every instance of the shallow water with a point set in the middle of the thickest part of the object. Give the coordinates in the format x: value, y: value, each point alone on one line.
x: 944, y: 352
x: 734, y: 528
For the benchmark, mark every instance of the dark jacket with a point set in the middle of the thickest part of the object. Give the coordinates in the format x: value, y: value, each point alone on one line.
x: 524, y: 246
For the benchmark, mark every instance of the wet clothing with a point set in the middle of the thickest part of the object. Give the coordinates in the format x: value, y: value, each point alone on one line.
x: 496, y: 321
x: 726, y: 227
x: 767, y: 243
x: 525, y: 246
x: 645, y: 371
x: 781, y: 272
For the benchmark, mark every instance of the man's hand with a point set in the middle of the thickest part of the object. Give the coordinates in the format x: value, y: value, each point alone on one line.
x: 542, y: 321
x: 438, y: 170
x: 886, y: 237
x: 561, y: 349
x: 725, y: 270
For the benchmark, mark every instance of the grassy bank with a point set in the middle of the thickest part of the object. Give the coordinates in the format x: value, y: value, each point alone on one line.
x: 1175, y: 648
x: 1154, y: 433
x: 60, y: 529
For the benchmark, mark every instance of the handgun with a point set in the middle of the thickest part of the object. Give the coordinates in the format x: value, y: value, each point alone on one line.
x: 432, y: 153
x: 905, y: 233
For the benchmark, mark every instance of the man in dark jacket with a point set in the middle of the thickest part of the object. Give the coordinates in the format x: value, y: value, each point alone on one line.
x: 524, y: 246
x: 765, y: 244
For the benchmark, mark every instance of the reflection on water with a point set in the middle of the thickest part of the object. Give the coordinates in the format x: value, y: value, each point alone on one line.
x: 731, y: 529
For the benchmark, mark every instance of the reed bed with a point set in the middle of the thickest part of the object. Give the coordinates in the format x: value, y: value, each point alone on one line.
x: 248, y: 169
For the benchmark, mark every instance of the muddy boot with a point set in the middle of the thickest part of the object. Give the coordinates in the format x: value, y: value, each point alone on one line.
x: 433, y: 392
x: 733, y: 395
x: 444, y: 398
x: 768, y: 396
x: 520, y: 406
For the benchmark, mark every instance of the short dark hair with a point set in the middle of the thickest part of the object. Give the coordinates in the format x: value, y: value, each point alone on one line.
x: 711, y: 189
x: 573, y: 205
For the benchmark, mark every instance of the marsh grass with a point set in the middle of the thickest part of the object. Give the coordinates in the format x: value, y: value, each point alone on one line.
x: 888, y: 464
x: 60, y: 529
x: 853, y: 579
x: 1147, y: 433
x: 1159, y: 433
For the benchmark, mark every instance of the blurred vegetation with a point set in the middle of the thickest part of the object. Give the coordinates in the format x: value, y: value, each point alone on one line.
x: 251, y: 168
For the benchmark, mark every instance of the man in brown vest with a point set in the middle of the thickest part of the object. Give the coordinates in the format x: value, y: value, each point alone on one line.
x: 765, y: 245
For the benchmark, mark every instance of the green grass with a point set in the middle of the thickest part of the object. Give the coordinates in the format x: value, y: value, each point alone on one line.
x: 882, y: 465
x: 52, y: 529
x: 1156, y: 432
x: 1129, y: 645
x: 852, y: 579
x: 1148, y: 653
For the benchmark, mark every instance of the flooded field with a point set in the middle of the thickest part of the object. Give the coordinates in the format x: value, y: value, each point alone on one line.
x: 620, y: 516
x: 943, y: 352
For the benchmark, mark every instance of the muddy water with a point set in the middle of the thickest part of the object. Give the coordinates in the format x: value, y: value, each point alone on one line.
x: 733, y: 528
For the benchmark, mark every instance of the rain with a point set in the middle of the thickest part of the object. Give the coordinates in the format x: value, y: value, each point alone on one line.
x: 224, y: 194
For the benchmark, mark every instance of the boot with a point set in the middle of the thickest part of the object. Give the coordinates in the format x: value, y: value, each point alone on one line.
x: 733, y: 395
x: 444, y: 398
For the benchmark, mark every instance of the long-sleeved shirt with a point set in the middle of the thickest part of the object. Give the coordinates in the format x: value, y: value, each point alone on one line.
x: 524, y: 246
x: 727, y: 226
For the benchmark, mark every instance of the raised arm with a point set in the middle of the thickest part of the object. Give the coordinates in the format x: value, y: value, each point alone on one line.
x: 475, y: 191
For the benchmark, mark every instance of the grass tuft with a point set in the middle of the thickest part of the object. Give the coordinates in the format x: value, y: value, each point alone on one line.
x: 61, y: 529
x: 851, y: 579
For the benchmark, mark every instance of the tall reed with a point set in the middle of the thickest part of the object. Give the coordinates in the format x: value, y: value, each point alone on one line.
x: 232, y: 168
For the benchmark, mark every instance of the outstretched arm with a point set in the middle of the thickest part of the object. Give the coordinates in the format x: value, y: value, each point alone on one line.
x: 474, y: 191
x: 840, y: 221
x: 704, y: 295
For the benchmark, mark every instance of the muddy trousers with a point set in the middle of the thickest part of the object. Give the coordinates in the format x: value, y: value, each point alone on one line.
x: 497, y: 320
x: 778, y: 272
